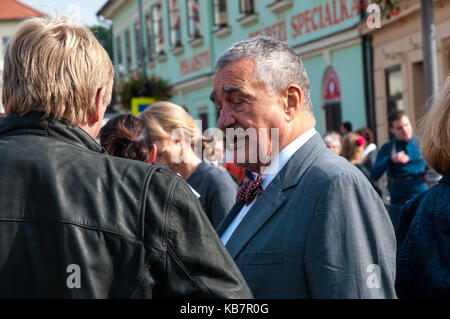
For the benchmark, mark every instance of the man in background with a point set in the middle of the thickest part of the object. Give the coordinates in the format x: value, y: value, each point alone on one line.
x: 402, y: 160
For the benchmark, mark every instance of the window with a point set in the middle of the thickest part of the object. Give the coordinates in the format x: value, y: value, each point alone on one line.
x: 194, y: 19
x: 119, y: 53
x: 139, y: 49
x: 204, y: 120
x: 394, y: 88
x: 247, y: 6
x: 331, y: 95
x: 148, y: 31
x: 448, y: 63
x: 158, y: 31
x: 333, y: 116
x: 220, y: 13
x: 175, y: 23
x: 418, y: 79
x: 4, y: 43
x: 279, y: 6
x: 128, y: 49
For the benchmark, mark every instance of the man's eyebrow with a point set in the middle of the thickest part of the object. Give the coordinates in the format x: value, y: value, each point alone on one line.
x: 231, y: 88
x: 228, y: 89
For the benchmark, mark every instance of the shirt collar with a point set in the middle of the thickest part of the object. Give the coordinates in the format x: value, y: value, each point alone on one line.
x: 277, y: 164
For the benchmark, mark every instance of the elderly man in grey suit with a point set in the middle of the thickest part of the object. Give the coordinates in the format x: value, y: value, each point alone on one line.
x: 311, y: 225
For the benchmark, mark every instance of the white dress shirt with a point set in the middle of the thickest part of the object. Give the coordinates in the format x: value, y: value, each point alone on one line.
x: 275, y: 167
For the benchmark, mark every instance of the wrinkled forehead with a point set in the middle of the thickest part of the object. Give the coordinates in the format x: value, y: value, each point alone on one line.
x: 237, y: 75
x: 239, y: 70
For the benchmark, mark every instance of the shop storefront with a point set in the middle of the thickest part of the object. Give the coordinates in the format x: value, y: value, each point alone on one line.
x: 184, y: 38
x: 398, y: 72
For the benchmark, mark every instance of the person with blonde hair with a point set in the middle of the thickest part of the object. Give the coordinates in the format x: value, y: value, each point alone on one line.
x: 179, y: 144
x: 74, y: 221
x: 423, y: 232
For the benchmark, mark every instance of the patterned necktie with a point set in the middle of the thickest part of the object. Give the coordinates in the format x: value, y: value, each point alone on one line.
x: 248, y: 190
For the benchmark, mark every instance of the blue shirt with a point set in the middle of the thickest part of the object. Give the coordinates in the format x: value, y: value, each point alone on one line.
x: 402, y: 186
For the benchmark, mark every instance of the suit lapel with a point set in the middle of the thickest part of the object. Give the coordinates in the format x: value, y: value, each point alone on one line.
x: 273, y: 196
x: 264, y: 207
x: 229, y: 218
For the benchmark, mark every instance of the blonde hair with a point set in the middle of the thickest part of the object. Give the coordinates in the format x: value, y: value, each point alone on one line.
x: 434, y: 131
x: 54, y: 65
x: 353, y: 148
x: 162, y: 118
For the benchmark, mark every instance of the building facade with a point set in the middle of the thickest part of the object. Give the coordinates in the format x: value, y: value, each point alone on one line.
x: 12, y: 13
x: 183, y: 38
x: 398, y: 73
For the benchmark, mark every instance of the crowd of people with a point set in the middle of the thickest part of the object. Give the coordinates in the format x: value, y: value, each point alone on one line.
x: 418, y: 209
x: 400, y: 160
x: 144, y: 214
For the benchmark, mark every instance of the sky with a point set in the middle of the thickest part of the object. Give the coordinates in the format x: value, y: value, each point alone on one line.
x: 83, y: 11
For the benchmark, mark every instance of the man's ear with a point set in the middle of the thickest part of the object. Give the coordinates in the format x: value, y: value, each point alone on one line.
x: 100, y: 104
x: 294, y: 99
x: 152, y: 155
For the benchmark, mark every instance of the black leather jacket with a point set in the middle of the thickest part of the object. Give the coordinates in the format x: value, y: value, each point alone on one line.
x: 77, y: 223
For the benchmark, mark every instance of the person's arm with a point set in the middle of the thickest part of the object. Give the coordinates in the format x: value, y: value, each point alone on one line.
x: 350, y: 249
x: 382, y: 162
x: 196, y: 264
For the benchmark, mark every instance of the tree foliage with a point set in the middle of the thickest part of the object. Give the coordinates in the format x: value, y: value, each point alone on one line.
x: 139, y: 86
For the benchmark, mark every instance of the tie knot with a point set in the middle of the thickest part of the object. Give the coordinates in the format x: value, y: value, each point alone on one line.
x: 249, y: 190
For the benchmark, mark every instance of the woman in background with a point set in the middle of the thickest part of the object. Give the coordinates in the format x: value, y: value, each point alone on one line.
x: 127, y: 136
x: 352, y: 150
x: 369, y: 154
x: 178, y: 142
x: 423, y: 235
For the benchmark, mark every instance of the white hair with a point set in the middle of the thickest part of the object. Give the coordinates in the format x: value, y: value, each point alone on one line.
x: 276, y: 65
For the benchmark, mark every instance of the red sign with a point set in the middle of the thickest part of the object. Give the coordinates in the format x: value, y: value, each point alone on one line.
x: 331, y: 87
x: 196, y: 63
x: 317, y: 18
x: 323, y: 16
x: 276, y: 31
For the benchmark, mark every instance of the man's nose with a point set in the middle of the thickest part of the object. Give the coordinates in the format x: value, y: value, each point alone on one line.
x: 225, y: 119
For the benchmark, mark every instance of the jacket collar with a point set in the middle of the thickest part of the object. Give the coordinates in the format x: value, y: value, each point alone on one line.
x: 33, y: 124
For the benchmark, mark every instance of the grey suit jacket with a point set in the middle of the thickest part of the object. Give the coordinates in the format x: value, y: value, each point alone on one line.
x: 319, y: 230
